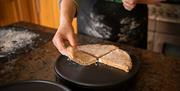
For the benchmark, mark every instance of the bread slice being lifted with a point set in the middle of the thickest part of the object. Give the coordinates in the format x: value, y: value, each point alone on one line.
x: 118, y: 59
x: 80, y: 57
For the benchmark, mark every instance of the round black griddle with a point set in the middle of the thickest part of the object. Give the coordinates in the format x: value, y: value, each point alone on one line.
x: 95, y: 75
x: 34, y: 86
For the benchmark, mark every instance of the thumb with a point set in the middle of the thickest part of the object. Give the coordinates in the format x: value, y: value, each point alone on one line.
x: 72, y: 40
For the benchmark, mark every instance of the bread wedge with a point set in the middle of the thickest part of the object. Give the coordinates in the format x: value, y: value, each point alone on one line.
x: 118, y: 59
x: 106, y: 54
x: 81, y: 57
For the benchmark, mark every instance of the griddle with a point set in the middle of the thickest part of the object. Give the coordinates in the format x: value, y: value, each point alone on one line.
x: 43, y: 38
x: 34, y: 86
x: 97, y: 75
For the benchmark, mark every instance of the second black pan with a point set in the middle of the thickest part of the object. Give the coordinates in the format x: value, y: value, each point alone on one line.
x: 34, y: 85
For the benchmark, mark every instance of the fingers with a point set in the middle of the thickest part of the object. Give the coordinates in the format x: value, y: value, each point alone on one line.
x: 60, y: 44
x: 129, y: 4
x: 63, y: 39
x: 71, y: 52
x: 72, y: 40
x: 128, y: 7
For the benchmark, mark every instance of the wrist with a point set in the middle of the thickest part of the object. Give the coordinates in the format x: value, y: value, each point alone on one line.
x: 65, y: 25
x: 65, y: 21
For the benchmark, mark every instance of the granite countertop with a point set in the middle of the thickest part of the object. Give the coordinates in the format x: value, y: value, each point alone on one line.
x: 157, y: 72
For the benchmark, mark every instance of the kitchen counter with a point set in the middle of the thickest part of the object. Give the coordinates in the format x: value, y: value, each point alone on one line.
x: 157, y: 72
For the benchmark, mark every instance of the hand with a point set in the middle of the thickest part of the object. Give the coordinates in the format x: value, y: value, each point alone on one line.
x: 150, y: 1
x: 129, y: 4
x: 64, y: 35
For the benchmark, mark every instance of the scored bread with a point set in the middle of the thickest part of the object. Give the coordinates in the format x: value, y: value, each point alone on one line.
x: 106, y: 54
x: 80, y: 57
x: 118, y: 59
x: 97, y: 50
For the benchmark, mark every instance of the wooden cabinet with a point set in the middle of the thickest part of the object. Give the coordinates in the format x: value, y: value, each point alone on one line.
x: 17, y: 10
x: 48, y: 12
x: 43, y: 12
x: 8, y: 12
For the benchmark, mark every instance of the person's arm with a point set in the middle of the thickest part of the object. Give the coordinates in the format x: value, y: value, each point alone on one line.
x: 65, y: 33
x: 130, y: 4
x: 68, y: 10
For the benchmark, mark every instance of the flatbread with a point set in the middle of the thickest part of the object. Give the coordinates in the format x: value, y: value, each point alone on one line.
x: 81, y: 57
x: 97, y: 50
x: 118, y: 59
x: 106, y: 54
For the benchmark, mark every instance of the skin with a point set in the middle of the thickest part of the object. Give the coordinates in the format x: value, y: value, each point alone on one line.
x: 65, y: 35
x: 130, y: 4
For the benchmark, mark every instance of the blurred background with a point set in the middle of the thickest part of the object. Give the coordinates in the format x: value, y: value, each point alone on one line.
x: 163, y: 25
x: 43, y: 12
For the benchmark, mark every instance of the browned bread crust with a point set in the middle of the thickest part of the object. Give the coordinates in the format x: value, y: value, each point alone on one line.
x: 106, y: 54
x: 118, y: 59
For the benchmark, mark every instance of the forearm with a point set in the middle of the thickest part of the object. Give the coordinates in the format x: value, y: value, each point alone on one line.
x: 149, y: 1
x: 143, y: 1
x: 67, y: 11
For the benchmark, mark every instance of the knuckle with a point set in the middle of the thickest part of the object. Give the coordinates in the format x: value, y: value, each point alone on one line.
x: 54, y: 40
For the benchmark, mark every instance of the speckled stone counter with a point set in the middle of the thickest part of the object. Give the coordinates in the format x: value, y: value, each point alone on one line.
x: 157, y: 72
